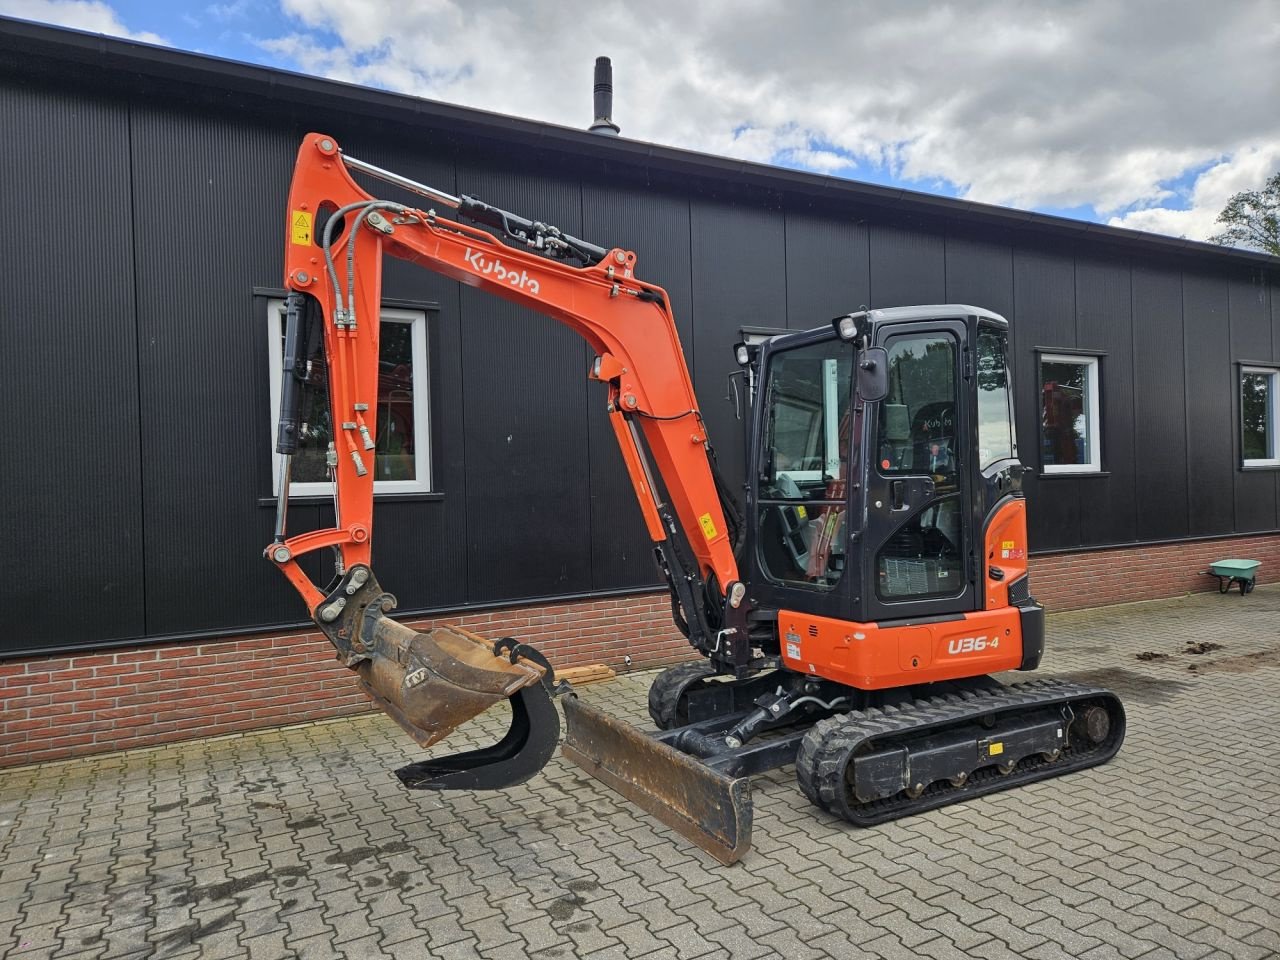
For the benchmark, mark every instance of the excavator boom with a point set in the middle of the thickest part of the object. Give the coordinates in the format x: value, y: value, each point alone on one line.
x: 430, y: 682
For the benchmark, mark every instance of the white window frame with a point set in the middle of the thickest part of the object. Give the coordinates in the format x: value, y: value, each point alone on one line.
x: 1093, y: 413
x: 1273, y: 415
x: 421, y: 405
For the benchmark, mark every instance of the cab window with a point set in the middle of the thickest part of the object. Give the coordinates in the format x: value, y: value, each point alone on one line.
x: 804, y: 464
x: 917, y: 436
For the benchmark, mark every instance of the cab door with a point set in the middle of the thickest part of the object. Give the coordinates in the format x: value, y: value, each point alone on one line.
x: 805, y: 448
x: 918, y: 537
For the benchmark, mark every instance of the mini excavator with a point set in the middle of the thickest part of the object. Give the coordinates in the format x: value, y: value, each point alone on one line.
x: 848, y: 621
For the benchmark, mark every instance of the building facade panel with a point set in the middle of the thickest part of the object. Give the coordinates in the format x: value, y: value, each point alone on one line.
x: 72, y: 489
x: 1211, y: 405
x: 908, y: 265
x: 1104, y: 325
x: 1159, y: 396
x: 525, y: 409
x: 656, y: 227
x: 738, y: 265
x: 828, y: 270
x: 979, y: 271
x: 204, y: 191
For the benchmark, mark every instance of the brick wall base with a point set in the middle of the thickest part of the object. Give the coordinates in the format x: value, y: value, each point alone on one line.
x: 1072, y: 581
x: 77, y: 704
x: 55, y: 707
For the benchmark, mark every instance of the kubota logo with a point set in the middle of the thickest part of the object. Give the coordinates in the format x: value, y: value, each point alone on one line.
x: 971, y: 644
x: 494, y: 268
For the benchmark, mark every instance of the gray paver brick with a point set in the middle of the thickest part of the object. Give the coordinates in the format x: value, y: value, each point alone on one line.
x: 298, y: 843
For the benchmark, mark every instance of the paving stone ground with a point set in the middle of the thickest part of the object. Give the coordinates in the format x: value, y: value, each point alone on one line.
x: 300, y: 843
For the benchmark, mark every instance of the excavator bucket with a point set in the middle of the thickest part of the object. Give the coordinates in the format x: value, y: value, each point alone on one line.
x: 712, y: 810
x: 433, y: 681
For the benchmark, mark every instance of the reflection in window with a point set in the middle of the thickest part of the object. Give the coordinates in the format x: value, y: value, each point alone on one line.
x: 918, y: 417
x: 922, y: 559
x: 1069, y: 428
x: 805, y: 462
x: 995, y: 413
x: 401, y: 463
x: 1259, y: 403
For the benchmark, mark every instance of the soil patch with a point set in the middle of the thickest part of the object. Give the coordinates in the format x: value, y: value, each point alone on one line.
x: 1202, y: 647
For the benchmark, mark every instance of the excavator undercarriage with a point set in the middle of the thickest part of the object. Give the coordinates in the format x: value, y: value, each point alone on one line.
x: 900, y: 753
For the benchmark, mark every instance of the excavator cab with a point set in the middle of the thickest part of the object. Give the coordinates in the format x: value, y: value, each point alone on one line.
x: 870, y: 507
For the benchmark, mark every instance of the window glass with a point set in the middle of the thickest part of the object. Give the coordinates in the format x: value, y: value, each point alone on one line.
x: 1258, y: 405
x: 917, y: 435
x: 804, y: 464
x: 918, y: 417
x: 995, y: 417
x: 400, y: 456
x: 1069, y: 431
x: 922, y: 559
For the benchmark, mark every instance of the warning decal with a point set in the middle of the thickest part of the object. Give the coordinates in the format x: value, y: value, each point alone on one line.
x: 300, y: 224
x: 708, y: 526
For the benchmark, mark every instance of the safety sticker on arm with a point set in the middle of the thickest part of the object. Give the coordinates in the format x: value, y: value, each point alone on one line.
x: 300, y: 227
x: 708, y: 526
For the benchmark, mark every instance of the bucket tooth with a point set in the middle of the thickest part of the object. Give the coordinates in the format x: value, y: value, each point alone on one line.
x: 710, y: 809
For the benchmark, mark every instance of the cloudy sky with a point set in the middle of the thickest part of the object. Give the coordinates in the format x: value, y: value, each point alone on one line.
x: 1139, y: 113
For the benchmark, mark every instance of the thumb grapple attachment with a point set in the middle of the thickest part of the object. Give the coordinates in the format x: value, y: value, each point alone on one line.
x: 432, y: 682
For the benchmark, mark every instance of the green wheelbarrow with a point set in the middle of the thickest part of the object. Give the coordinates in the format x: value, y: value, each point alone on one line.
x: 1235, y: 571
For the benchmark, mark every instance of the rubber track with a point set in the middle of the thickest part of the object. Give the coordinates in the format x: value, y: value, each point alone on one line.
x: 669, y: 686
x: 829, y: 747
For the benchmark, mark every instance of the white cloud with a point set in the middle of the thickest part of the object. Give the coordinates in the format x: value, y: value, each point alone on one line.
x: 236, y: 10
x: 1246, y: 169
x: 90, y: 15
x: 1083, y: 103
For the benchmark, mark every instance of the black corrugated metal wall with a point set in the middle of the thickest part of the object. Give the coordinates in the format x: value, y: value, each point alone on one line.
x: 138, y: 345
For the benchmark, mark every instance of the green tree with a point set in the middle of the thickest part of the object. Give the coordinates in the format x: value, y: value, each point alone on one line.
x: 1252, y: 219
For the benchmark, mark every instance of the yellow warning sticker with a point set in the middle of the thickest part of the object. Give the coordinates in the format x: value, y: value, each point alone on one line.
x: 801, y: 512
x: 708, y: 526
x: 300, y: 227
x: 995, y: 749
x: 1008, y: 544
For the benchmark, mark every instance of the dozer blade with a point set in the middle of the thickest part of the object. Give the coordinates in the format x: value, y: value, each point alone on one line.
x: 710, y: 809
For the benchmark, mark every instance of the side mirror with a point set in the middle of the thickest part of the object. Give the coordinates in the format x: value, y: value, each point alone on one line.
x: 873, y: 374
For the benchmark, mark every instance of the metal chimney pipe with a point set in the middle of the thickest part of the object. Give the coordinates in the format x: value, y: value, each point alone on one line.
x: 603, y: 123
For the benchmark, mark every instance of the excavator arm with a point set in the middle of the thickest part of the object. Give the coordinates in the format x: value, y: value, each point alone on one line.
x: 430, y: 682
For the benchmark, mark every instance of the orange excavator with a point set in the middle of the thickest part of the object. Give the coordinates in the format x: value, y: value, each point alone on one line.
x: 848, y: 621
